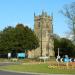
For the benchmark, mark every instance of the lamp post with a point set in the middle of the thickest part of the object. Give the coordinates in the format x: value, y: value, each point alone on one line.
x: 58, y: 51
x: 58, y: 54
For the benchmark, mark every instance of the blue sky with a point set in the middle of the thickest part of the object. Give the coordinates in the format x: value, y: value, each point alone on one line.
x: 13, y: 12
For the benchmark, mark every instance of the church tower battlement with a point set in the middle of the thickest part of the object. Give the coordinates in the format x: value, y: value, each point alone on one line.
x: 43, y: 29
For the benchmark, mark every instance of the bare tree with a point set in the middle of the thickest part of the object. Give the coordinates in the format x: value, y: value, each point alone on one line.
x: 69, y: 12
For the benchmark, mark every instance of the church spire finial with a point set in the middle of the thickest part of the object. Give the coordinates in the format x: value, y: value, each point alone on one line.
x: 52, y: 21
x: 52, y: 16
x: 34, y: 14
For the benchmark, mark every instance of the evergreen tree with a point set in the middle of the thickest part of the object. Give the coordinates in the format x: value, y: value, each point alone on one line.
x: 20, y: 38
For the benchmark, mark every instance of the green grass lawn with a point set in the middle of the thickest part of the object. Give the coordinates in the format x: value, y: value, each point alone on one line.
x: 38, y: 68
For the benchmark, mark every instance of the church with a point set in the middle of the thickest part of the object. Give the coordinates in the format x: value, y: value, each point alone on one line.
x: 43, y: 28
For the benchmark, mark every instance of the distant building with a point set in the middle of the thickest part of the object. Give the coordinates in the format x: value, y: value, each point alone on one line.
x: 43, y: 29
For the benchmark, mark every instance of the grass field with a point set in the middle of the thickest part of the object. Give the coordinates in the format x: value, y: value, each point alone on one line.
x: 38, y: 68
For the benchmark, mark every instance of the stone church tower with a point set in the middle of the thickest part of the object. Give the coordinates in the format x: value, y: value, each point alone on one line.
x: 43, y: 28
